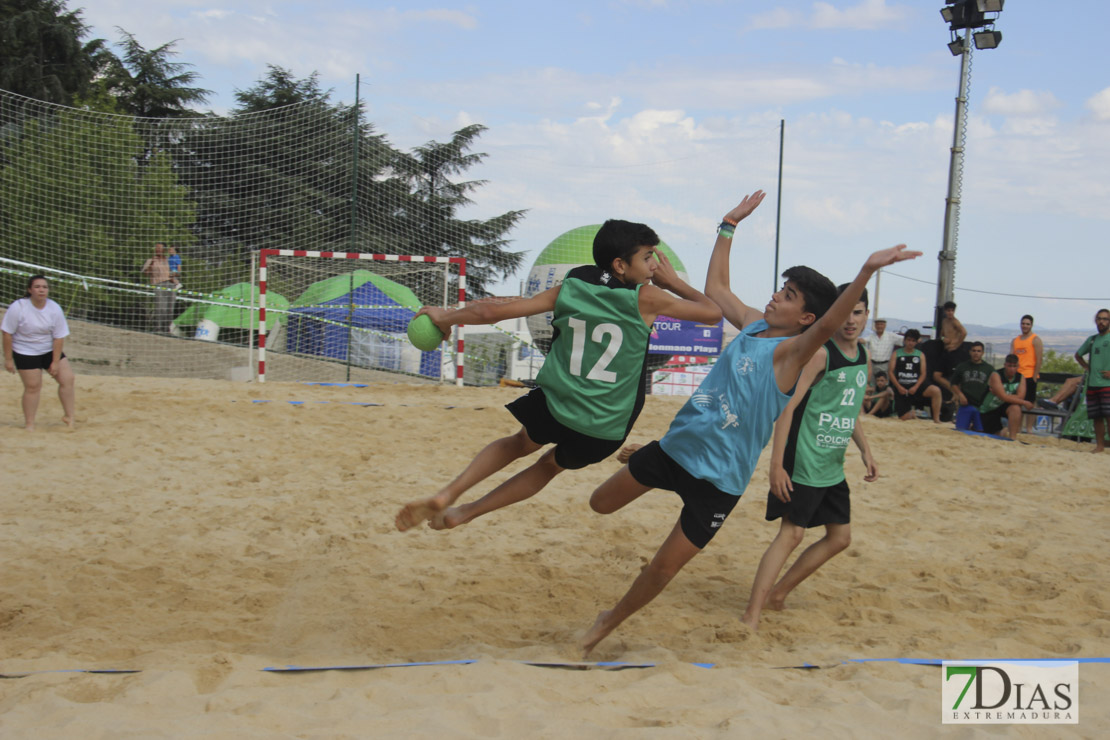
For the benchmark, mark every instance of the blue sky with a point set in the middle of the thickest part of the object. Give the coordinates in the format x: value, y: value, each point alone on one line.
x: 667, y: 112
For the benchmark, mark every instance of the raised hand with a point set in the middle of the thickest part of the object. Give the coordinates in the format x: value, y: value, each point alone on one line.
x: 885, y: 257
x: 665, y: 275
x: 749, y: 204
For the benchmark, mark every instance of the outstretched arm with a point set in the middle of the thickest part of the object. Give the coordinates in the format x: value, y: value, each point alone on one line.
x: 781, y: 485
x: 717, y: 284
x: 682, y: 302
x: 490, y: 313
x: 794, y: 353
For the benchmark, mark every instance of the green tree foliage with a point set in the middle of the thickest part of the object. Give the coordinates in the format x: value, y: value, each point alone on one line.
x: 1054, y: 362
x: 104, y: 198
x: 434, y: 227
x: 149, y: 84
x: 42, y: 52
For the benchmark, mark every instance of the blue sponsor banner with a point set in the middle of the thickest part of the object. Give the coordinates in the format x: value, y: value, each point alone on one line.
x: 677, y: 337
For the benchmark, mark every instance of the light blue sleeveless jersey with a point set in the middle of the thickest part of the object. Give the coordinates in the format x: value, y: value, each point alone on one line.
x: 720, y: 432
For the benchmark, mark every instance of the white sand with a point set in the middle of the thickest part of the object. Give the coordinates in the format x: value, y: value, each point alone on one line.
x: 195, y: 536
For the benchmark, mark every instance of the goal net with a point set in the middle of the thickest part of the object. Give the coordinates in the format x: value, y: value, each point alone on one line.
x: 350, y: 314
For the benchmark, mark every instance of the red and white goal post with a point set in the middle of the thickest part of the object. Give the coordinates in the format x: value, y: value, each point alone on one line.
x: 407, y: 270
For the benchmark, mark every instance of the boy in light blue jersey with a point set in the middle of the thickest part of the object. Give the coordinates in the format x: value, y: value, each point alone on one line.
x: 589, y: 391
x: 713, y: 444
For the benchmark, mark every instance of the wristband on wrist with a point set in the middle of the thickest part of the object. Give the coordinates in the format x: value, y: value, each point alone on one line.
x: 729, y: 221
x: 726, y: 230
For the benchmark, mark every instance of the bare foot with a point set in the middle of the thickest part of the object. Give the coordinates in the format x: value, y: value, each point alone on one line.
x: 775, y: 602
x: 29, y: 428
x: 751, y: 621
x: 71, y: 423
x: 626, y: 452
x: 449, y: 519
x: 415, y: 512
x: 595, y: 634
x: 1098, y: 449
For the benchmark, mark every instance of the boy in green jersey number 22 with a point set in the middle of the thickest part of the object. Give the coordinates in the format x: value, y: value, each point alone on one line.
x: 808, y: 487
x: 590, y: 389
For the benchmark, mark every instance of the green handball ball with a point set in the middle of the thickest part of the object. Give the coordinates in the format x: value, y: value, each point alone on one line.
x: 424, y: 334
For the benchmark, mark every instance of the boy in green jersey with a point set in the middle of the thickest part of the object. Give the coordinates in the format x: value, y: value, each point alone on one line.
x: 808, y: 487
x: 1097, y: 346
x: 590, y: 389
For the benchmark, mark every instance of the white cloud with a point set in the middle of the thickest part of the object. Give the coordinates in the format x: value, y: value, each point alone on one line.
x: 869, y: 15
x: 1099, y: 104
x: 777, y: 18
x: 1030, y: 103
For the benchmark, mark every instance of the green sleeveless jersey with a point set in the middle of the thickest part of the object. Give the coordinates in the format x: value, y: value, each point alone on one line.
x: 823, y: 422
x: 991, y: 402
x: 594, y: 370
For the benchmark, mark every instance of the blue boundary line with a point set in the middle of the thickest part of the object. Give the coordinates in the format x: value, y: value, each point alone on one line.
x: 601, y: 665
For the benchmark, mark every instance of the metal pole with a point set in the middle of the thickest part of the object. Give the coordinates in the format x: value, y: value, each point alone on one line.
x: 778, y: 207
x: 354, y: 171
x: 946, y: 276
x: 875, y: 303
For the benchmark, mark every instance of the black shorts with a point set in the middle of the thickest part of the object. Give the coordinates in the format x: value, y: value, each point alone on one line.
x: 903, y: 404
x: 704, y: 506
x: 1031, y: 390
x: 995, y: 419
x: 573, y: 450
x: 34, y: 362
x: 813, y: 507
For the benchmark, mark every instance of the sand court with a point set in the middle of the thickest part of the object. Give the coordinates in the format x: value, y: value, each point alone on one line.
x: 200, y: 531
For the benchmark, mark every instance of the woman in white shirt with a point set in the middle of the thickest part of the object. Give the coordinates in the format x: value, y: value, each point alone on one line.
x: 33, y: 329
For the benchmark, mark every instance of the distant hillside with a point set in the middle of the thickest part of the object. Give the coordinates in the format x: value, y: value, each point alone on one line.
x: 1064, y: 341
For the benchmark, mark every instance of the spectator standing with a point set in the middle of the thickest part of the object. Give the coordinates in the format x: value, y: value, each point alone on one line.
x: 880, y: 345
x: 157, y: 270
x: 1030, y: 353
x: 1097, y: 346
x: 175, y: 266
x: 34, y: 329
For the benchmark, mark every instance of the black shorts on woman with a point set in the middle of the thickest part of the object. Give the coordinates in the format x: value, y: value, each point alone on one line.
x: 34, y: 362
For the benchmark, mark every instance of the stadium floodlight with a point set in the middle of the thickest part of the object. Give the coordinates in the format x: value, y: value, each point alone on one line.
x: 987, y: 39
x: 969, y: 17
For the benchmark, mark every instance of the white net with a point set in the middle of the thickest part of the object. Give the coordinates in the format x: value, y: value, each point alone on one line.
x: 147, y: 228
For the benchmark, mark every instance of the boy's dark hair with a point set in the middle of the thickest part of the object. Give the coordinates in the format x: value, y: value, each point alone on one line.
x: 862, y: 298
x: 912, y: 334
x: 1012, y: 359
x: 620, y: 239
x: 818, y: 292
x: 879, y: 374
x: 980, y: 345
x: 1027, y: 316
x: 948, y: 304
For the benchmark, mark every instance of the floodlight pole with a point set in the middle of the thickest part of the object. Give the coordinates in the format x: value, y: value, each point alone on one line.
x: 946, y: 276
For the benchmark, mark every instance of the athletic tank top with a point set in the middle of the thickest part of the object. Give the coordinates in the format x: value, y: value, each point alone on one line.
x: 907, y: 366
x: 593, y: 371
x: 1027, y: 355
x: 991, y: 402
x: 823, y: 422
x: 718, y: 435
